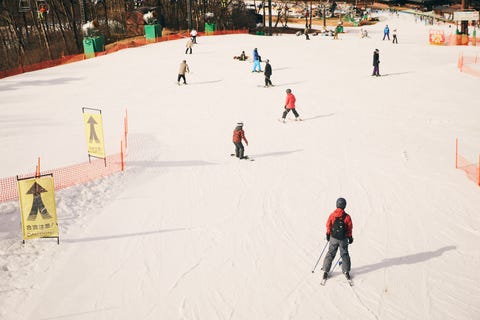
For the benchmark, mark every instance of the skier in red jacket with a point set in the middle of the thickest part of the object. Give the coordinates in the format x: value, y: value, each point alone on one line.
x: 238, y: 136
x: 339, y: 235
x: 290, y: 105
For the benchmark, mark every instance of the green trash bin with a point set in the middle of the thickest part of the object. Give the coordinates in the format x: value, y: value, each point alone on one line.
x: 152, y: 31
x: 92, y: 45
x: 260, y: 33
x: 209, y: 28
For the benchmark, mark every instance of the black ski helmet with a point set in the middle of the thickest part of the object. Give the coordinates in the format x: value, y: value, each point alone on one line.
x: 341, y: 203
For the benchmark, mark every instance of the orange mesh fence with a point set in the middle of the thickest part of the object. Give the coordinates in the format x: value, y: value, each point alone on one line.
x: 472, y: 170
x: 112, y: 48
x: 67, y: 176
x: 72, y: 175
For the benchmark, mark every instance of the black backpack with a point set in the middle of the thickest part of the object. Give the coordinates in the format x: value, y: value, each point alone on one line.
x: 339, y: 229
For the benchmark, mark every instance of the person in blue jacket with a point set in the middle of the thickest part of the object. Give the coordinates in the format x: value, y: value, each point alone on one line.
x: 256, y: 61
x: 386, y: 32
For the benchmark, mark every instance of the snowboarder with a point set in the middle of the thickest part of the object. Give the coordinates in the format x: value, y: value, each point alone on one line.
x: 189, y: 45
x: 268, y: 73
x: 376, y: 63
x: 238, y: 136
x: 339, y: 235
x: 290, y: 106
x: 256, y: 61
x: 181, y: 72
x: 394, y: 34
x: 386, y: 32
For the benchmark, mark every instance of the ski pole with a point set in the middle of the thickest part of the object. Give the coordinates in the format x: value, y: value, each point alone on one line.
x: 339, y: 262
x: 321, y: 254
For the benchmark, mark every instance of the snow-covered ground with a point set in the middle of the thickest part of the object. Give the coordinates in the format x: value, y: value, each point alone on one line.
x: 188, y: 232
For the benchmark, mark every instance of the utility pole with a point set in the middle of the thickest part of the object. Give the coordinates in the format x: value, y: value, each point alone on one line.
x: 269, y: 17
x: 83, y: 14
x: 189, y: 13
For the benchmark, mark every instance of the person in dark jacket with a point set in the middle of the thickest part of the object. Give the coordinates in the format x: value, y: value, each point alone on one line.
x: 268, y: 72
x: 238, y: 136
x: 337, y: 241
x: 376, y: 63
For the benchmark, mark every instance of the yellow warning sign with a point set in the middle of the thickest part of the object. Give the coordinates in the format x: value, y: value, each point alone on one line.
x: 38, y: 207
x: 94, y: 131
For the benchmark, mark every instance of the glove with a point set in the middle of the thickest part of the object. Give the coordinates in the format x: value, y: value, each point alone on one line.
x: 328, y: 237
x: 350, y: 240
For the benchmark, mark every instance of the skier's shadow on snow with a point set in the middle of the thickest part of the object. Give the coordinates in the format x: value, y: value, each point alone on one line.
x: 287, y: 84
x: 20, y: 84
x: 204, y: 82
x: 153, y: 164
x: 274, y: 154
x: 127, y: 235
x: 319, y: 116
x: 394, y: 74
x: 409, y: 259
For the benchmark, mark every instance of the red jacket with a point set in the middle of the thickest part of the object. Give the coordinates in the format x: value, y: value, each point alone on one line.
x: 290, y: 101
x: 238, y: 135
x: 348, y: 221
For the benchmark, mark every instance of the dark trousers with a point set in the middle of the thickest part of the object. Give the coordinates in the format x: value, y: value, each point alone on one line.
x: 376, y: 70
x: 268, y: 82
x: 287, y: 111
x: 181, y: 76
x: 386, y: 35
x: 239, y: 149
x: 186, y: 51
x: 395, y: 39
x: 333, y: 246
x: 194, y: 39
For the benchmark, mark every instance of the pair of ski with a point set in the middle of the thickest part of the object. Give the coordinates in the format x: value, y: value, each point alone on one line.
x: 324, y: 281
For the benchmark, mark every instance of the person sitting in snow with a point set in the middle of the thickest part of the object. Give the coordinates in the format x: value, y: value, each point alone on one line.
x: 241, y: 57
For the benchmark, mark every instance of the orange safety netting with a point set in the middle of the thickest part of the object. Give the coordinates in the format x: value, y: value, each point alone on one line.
x: 112, y: 48
x: 67, y: 176
x: 472, y: 170
x: 75, y: 174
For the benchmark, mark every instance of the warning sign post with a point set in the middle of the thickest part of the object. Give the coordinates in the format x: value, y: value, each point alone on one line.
x: 94, y: 133
x: 38, y: 207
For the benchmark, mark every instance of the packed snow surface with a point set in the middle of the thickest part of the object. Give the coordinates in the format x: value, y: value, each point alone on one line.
x: 188, y: 232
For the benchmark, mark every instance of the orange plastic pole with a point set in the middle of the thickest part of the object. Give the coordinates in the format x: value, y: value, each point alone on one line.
x: 456, y: 153
x: 121, y: 155
x: 125, y: 126
x: 37, y: 169
x: 478, y: 169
